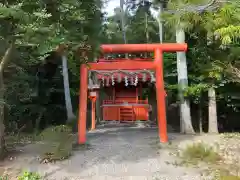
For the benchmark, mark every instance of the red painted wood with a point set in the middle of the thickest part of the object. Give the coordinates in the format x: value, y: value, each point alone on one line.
x: 129, y: 113
x: 125, y: 59
x: 82, y: 105
x: 125, y: 65
x: 125, y: 113
x: 129, y: 65
x: 93, y: 124
x: 161, y: 109
x: 121, y: 102
x: 110, y: 113
x: 130, y: 48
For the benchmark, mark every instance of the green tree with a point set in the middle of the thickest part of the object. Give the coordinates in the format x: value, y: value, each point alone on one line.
x: 30, y: 30
x: 24, y: 25
x: 189, y: 15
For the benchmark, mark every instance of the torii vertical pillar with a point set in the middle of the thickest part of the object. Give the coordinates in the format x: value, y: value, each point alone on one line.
x: 160, y: 93
x: 82, y: 118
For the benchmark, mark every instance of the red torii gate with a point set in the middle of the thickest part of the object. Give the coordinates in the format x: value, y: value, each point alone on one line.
x: 156, y: 65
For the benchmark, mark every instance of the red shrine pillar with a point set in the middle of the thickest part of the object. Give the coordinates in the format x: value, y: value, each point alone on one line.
x: 93, y: 97
x: 161, y: 106
x: 83, y: 104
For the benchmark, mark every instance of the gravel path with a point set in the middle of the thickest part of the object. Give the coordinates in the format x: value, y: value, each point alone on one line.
x: 115, y: 153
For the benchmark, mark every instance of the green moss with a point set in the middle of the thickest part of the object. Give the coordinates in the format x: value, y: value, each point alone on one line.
x: 58, y: 143
x: 200, y: 152
x: 229, y: 177
x: 224, y: 174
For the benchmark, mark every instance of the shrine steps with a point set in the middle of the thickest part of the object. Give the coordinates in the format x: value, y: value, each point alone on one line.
x: 126, y: 114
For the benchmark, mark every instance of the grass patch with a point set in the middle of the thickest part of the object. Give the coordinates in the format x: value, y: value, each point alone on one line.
x: 229, y: 177
x: 13, y: 140
x: 224, y: 174
x: 26, y: 175
x: 199, y: 152
x: 58, y: 143
x: 29, y: 176
x: 231, y: 135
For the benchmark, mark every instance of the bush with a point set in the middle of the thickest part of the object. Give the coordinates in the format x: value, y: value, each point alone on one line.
x: 29, y: 176
x: 4, y: 178
x: 58, y: 142
x: 200, y: 152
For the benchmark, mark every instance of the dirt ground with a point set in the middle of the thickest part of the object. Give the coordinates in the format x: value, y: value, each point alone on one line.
x: 122, y: 153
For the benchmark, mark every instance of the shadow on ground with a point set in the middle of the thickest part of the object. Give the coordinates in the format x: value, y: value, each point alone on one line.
x: 115, y: 151
x: 122, y: 145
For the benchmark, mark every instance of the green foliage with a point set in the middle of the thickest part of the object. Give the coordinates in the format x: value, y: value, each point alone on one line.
x: 38, y: 27
x: 58, y: 143
x: 24, y: 23
x: 178, y: 16
x: 226, y: 23
x: 29, y: 176
x: 4, y: 177
x: 196, y: 90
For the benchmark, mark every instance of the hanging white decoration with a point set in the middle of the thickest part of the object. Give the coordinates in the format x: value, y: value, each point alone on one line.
x: 136, y: 80
x: 152, y: 77
x: 126, y: 80
x: 119, y: 78
x: 103, y: 81
x: 112, y: 78
x: 144, y: 77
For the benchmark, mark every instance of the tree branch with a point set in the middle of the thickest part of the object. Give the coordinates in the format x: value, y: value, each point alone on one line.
x: 199, y: 9
x: 6, y: 57
x: 235, y: 72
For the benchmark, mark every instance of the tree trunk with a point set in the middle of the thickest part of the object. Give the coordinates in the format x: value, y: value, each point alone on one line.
x: 200, y: 115
x: 146, y: 27
x: 2, y: 127
x: 68, y: 102
x: 122, y: 2
x: 212, y: 111
x: 146, y: 31
x: 160, y: 23
x: 185, y: 115
x: 4, y: 61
